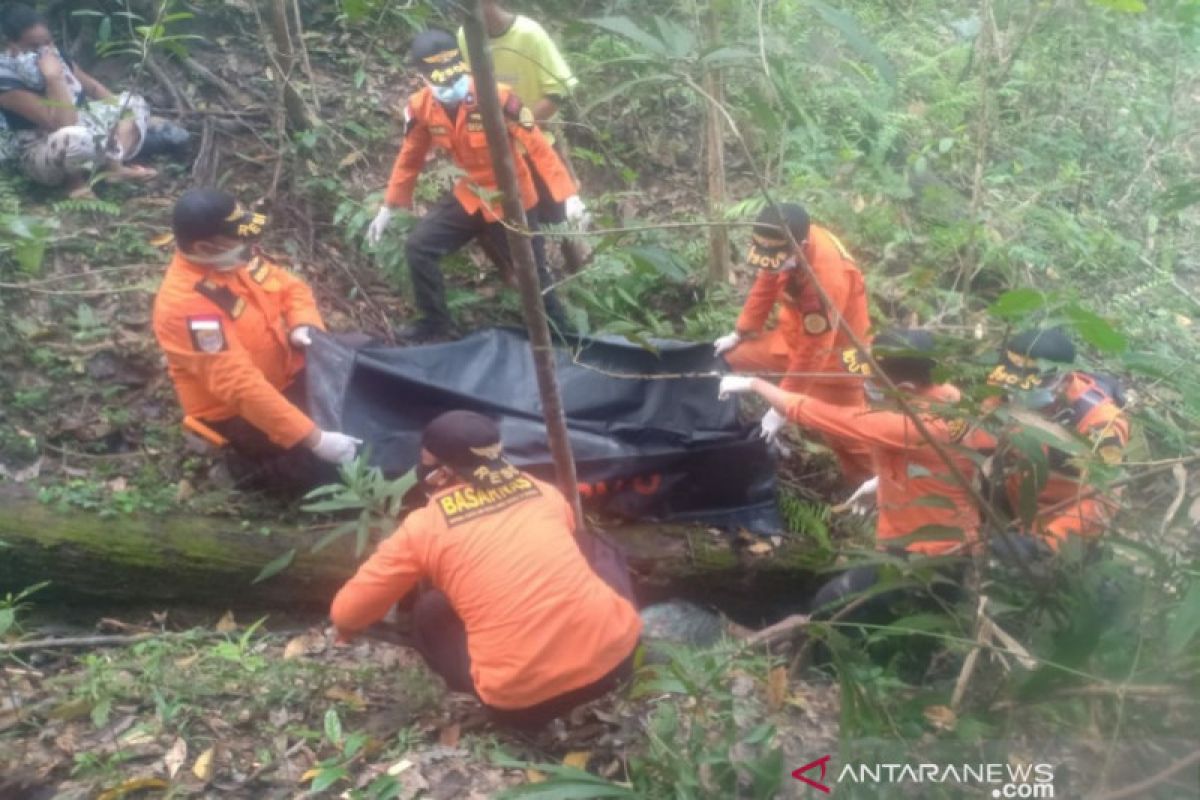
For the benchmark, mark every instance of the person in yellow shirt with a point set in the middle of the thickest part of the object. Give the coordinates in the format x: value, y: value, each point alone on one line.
x: 527, y: 60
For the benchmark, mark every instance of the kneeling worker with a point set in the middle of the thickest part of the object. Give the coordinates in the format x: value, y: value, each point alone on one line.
x: 808, y: 338
x: 233, y: 327
x: 916, y: 489
x: 1034, y: 371
x: 446, y: 115
x: 515, y: 615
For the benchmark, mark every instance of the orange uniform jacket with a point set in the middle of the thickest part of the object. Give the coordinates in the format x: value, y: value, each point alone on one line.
x: 427, y: 124
x: 910, y: 473
x: 225, y: 336
x: 807, y: 329
x: 539, y: 621
x: 1100, y: 420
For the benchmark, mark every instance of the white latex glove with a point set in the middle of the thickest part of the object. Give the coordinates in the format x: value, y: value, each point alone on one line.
x: 334, y: 447
x: 772, y: 423
x: 377, y: 226
x: 734, y: 384
x: 726, y: 343
x: 301, y: 337
x: 862, y: 502
x: 576, y: 212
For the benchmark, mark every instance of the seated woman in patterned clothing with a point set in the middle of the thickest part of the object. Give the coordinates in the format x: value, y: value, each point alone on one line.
x: 57, y: 121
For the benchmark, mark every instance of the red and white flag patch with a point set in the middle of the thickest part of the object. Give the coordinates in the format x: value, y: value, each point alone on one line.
x: 207, y: 335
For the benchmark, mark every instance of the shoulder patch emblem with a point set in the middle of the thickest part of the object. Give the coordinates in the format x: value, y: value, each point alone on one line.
x: 957, y: 428
x: 853, y: 364
x: 206, y: 333
x: 815, y: 323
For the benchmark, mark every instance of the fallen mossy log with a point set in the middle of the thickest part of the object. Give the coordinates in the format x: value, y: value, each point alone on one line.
x: 213, y: 561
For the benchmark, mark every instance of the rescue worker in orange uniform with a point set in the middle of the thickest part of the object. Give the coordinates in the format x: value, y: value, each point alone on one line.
x: 1034, y: 372
x: 445, y: 114
x: 233, y: 327
x: 807, y: 338
x: 916, y: 490
x: 516, y: 615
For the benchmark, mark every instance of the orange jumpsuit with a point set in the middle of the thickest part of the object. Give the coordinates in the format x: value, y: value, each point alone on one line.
x: 428, y: 125
x: 225, y: 336
x: 1095, y: 416
x: 540, y: 623
x: 807, y: 337
x: 916, y: 490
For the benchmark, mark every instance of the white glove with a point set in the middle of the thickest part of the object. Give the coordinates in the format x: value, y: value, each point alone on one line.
x: 726, y: 343
x: 772, y: 423
x: 862, y: 502
x: 734, y: 384
x: 301, y: 336
x: 375, y: 229
x: 576, y: 212
x: 334, y: 447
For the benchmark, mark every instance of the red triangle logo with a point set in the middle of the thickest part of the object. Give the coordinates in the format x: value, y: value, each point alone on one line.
x: 821, y: 762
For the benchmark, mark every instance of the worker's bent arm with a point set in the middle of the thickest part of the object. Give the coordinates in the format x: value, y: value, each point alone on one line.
x: 204, y: 346
x: 386, y: 577
x: 542, y: 155
x: 759, y: 303
x: 888, y: 429
x: 299, y: 304
x: 410, y: 161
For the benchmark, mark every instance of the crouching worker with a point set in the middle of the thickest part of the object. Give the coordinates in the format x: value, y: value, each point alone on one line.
x: 917, y: 492
x: 1034, y: 372
x: 233, y: 327
x: 514, y: 613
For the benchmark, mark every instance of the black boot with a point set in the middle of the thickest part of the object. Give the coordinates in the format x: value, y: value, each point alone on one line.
x: 423, y: 331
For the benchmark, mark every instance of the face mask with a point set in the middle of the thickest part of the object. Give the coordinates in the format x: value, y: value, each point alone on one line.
x: 454, y: 93
x: 226, y: 260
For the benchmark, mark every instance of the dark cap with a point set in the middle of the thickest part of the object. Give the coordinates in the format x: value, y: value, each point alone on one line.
x: 468, y: 443
x: 435, y: 53
x: 769, y: 245
x: 1023, y: 360
x: 204, y: 213
x: 905, y: 354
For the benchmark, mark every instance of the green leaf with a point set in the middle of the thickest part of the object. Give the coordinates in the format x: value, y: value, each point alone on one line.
x: 853, y: 33
x: 328, y: 777
x: 1124, y: 6
x: 1185, y: 624
x: 1179, y: 197
x: 276, y: 566
x: 333, y: 727
x: 625, y: 27
x: 1095, y: 331
x: 1018, y: 302
x: 8, y: 616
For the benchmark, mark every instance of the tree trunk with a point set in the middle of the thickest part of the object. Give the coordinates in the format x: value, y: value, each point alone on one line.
x: 209, y: 561
x: 285, y: 61
x: 714, y: 144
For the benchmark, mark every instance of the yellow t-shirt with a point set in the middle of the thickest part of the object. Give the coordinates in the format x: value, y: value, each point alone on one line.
x: 528, y: 61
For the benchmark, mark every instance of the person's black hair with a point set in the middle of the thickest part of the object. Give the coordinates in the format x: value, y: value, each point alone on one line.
x: 200, y: 214
x: 17, y: 18
x: 771, y: 221
x: 905, y: 355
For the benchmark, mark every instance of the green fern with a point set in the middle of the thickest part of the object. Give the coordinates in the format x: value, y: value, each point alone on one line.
x: 87, y: 206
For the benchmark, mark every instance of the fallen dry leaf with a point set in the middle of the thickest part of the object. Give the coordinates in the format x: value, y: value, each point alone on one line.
x: 577, y: 759
x: 175, y: 757
x: 777, y: 686
x: 132, y: 786
x: 760, y: 548
x: 187, y: 661
x: 305, y: 643
x: 533, y: 776
x: 163, y: 240
x: 350, y: 698
x: 226, y: 623
x: 203, y: 768
x: 400, y: 766
x: 942, y: 718
x: 449, y: 735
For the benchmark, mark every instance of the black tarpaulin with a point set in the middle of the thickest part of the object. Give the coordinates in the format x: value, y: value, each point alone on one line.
x: 645, y: 448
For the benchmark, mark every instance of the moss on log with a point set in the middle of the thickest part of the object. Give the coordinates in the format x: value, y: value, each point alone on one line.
x: 213, y: 561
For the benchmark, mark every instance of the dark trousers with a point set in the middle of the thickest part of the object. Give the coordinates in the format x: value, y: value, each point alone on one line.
x: 552, y: 212
x: 440, y: 636
x: 258, y: 463
x: 446, y: 229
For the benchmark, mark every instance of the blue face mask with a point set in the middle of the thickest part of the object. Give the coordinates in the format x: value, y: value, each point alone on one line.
x: 455, y: 93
